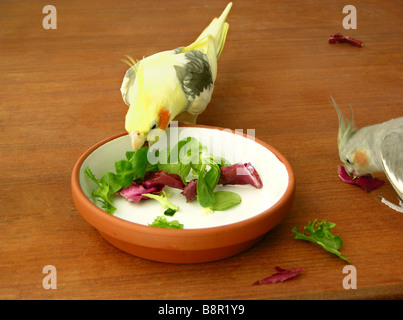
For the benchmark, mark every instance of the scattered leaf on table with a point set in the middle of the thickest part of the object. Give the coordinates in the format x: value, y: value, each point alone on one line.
x: 367, y: 182
x: 280, y: 276
x: 321, y: 234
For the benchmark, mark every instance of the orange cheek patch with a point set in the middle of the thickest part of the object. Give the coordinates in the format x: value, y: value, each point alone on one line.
x: 361, y: 159
x: 163, y: 116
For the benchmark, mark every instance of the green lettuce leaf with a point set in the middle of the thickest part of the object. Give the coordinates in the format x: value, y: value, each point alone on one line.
x: 163, y: 200
x: 128, y: 170
x: 321, y: 234
x: 162, y: 222
x: 107, y: 186
x: 225, y: 200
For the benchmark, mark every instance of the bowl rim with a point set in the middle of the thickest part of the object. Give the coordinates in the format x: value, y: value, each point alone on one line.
x: 124, y: 229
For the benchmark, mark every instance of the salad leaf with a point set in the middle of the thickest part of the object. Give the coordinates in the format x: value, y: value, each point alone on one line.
x: 133, y: 168
x: 207, y: 181
x: 218, y: 160
x: 181, y: 157
x: 172, y: 180
x: 126, y: 171
x: 162, y: 222
x: 169, y: 212
x: 321, y: 234
x: 129, y: 155
x: 213, y: 175
x: 367, y: 182
x: 163, y: 200
x: 280, y: 276
x: 106, y: 187
x: 139, y: 162
x: 191, y: 150
x: 190, y: 190
x: 205, y: 192
x: 136, y: 192
x: 240, y: 173
x: 225, y: 200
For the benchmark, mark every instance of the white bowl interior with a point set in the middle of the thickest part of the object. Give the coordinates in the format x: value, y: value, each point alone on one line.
x: 233, y: 147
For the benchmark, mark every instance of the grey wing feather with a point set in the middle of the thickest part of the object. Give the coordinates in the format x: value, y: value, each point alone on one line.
x: 128, y: 81
x: 195, y: 76
x: 392, y: 158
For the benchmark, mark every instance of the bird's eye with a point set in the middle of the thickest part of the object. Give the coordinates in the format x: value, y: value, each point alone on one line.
x: 154, y: 126
x: 349, y: 161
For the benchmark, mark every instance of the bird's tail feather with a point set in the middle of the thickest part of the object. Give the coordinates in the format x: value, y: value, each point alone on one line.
x: 217, y: 29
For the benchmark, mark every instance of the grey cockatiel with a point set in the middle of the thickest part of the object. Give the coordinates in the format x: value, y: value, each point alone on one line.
x: 374, y: 148
x: 172, y: 83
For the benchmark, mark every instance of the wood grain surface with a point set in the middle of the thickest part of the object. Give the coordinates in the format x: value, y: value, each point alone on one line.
x: 60, y: 95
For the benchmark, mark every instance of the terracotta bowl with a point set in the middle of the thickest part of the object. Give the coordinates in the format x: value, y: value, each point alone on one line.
x: 204, y: 237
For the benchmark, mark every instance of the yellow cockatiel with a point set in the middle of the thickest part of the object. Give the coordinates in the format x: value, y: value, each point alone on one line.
x: 172, y: 83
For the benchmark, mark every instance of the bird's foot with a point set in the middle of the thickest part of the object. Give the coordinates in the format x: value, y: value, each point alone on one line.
x: 398, y: 208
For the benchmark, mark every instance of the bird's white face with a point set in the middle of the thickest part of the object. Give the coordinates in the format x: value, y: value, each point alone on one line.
x: 140, y: 124
x: 356, y: 162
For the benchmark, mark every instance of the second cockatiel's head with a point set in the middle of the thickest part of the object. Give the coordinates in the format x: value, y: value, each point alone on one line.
x: 355, y: 150
x: 148, y: 106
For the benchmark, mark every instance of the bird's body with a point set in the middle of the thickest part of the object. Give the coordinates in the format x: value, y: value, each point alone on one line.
x: 173, y: 84
x: 375, y: 148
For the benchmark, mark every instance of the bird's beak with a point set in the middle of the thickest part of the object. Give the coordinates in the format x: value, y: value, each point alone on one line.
x: 137, y: 139
x: 351, y: 172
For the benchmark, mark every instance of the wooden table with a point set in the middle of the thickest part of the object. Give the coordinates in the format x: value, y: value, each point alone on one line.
x: 60, y: 95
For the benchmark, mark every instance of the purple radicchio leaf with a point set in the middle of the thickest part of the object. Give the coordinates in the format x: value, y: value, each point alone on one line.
x: 134, y: 191
x: 367, y: 182
x: 153, y: 182
x: 280, y: 276
x: 190, y: 190
x: 240, y: 174
x: 163, y: 178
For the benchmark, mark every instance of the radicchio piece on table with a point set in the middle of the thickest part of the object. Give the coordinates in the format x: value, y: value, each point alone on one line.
x: 280, y: 276
x: 135, y: 191
x: 339, y: 38
x: 240, y: 174
x: 190, y: 190
x: 367, y: 182
x: 163, y: 178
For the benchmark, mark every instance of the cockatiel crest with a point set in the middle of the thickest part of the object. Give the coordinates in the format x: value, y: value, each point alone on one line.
x: 375, y: 148
x: 173, y: 84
